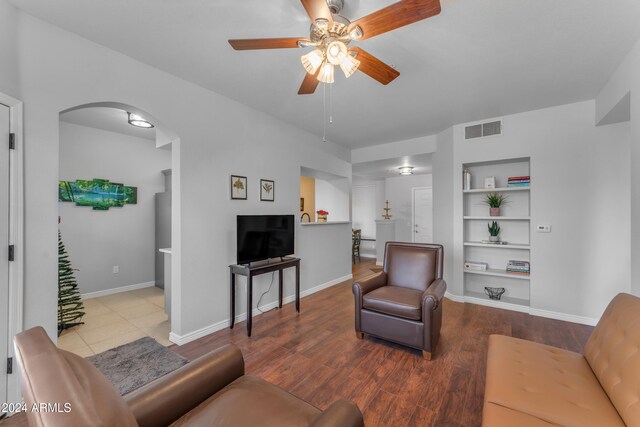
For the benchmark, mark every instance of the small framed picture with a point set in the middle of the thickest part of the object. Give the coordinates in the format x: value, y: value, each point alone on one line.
x: 238, y: 187
x: 490, y: 182
x: 267, y: 190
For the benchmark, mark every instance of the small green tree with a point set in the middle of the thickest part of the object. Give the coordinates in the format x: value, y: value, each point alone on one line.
x: 70, y: 307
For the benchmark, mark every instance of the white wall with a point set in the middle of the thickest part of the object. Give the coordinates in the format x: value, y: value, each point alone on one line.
x: 443, y: 191
x: 422, y: 145
x: 98, y: 240
x: 398, y: 192
x: 333, y: 196
x: 8, y: 50
x: 627, y: 79
x: 218, y: 137
x: 579, y: 186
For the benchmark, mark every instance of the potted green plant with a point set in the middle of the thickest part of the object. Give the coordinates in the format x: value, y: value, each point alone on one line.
x: 495, y: 200
x: 494, y: 231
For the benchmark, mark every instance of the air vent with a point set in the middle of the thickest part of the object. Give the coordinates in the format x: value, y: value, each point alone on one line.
x: 483, y: 129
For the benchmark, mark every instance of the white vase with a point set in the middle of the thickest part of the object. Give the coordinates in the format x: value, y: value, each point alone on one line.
x: 494, y: 238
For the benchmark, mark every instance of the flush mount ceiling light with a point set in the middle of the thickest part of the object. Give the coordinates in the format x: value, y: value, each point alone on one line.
x: 138, y: 121
x: 406, y: 170
x: 330, y: 36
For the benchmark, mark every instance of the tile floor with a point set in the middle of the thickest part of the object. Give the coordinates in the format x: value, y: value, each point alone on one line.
x: 118, y: 319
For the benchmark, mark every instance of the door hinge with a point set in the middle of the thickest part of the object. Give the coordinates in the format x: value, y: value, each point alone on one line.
x: 9, y: 365
x: 12, y: 141
x: 12, y: 253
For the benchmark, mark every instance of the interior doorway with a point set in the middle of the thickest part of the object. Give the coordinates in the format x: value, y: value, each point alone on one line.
x: 5, y: 255
x: 422, y: 214
x: 115, y: 161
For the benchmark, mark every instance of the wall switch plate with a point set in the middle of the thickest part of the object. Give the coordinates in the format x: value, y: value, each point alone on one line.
x: 543, y: 228
x: 116, y: 269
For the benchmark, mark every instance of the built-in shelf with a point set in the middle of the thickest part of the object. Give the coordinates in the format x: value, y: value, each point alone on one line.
x: 506, y: 302
x: 496, y: 190
x: 498, y: 273
x: 498, y: 218
x: 497, y: 246
x: 515, y: 229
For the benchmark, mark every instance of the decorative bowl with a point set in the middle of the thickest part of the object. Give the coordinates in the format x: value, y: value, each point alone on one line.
x: 494, y: 293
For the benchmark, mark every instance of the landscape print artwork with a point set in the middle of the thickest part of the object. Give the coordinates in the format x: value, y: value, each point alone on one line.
x: 100, y: 194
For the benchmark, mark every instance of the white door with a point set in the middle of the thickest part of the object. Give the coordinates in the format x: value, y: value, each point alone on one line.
x: 4, y: 248
x: 422, y: 215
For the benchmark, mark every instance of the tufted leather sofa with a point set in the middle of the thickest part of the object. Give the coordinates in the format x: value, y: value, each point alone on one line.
x: 210, y: 391
x: 535, y: 385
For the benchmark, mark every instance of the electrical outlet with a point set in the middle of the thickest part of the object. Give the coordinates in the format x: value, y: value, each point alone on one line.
x: 543, y: 228
x: 116, y: 269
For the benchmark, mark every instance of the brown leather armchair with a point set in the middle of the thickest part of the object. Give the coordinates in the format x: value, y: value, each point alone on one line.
x: 403, y: 303
x: 209, y: 391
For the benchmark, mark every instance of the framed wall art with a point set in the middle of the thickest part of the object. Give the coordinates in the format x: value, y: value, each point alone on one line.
x: 267, y: 190
x: 238, y: 187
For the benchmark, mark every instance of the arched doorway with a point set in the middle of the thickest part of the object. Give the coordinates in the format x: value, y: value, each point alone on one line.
x: 116, y: 164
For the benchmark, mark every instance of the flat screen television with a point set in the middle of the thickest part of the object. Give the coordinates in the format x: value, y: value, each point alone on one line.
x: 261, y: 237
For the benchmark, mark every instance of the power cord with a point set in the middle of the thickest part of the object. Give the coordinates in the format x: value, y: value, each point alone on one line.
x: 273, y: 275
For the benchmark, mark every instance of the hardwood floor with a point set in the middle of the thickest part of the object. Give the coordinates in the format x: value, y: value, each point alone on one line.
x: 315, y: 355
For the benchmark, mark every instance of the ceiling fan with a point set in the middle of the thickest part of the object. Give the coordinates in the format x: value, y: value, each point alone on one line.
x: 331, y: 34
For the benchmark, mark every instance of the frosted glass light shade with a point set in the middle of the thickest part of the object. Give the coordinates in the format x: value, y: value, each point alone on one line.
x: 326, y: 73
x: 138, y: 121
x: 349, y: 65
x: 336, y: 52
x: 312, y: 61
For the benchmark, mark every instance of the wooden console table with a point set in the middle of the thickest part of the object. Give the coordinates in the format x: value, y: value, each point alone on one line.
x: 249, y: 272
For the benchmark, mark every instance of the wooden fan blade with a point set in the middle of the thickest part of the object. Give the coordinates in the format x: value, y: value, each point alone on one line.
x: 309, y: 84
x: 318, y: 9
x: 397, y: 15
x: 252, y: 44
x: 374, y: 68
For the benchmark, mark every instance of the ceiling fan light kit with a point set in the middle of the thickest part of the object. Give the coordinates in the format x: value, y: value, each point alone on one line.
x: 331, y: 34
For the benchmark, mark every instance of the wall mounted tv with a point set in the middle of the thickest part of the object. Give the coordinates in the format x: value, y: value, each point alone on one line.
x: 261, y: 237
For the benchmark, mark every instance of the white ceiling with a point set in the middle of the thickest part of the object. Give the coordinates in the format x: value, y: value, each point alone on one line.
x: 109, y: 119
x: 388, y: 168
x: 477, y: 59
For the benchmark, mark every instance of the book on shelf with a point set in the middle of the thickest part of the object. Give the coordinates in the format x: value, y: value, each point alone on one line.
x: 518, y: 267
x: 524, y: 273
x: 475, y: 266
x: 519, y: 178
x: 518, y: 185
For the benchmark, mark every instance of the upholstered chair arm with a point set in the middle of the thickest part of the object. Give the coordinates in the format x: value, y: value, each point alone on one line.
x: 166, y: 399
x: 343, y: 413
x: 432, y: 297
x: 432, y: 315
x: 369, y: 284
x: 360, y: 289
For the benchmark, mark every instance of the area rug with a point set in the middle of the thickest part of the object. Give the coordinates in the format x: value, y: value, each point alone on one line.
x: 135, y: 364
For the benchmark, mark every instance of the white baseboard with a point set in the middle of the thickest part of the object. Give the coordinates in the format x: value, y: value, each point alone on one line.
x: 112, y: 291
x: 379, y: 263
x: 199, y: 333
x: 523, y: 309
x: 563, y: 316
x: 452, y: 297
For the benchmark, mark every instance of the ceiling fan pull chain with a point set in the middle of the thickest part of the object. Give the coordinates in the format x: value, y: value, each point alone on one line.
x: 330, y: 104
x: 324, y: 112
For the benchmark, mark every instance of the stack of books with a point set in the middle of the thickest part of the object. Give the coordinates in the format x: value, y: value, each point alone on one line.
x: 476, y: 266
x: 519, y: 181
x: 518, y: 267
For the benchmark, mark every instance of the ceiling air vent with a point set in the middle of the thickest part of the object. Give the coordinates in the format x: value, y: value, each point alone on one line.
x: 483, y: 129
